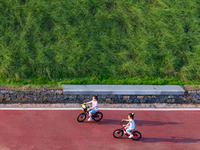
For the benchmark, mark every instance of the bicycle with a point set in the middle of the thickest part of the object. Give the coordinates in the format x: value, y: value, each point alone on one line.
x: 118, y: 133
x: 97, y: 116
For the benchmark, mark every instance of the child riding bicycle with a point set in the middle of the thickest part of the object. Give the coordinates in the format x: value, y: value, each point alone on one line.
x: 94, y: 107
x: 131, y: 125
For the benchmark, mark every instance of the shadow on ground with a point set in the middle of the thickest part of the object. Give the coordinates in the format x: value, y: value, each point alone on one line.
x: 110, y: 121
x: 138, y: 122
x: 170, y: 140
x: 153, y: 123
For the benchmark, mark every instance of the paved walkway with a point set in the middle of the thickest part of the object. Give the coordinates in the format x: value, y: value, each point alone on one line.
x: 76, y: 105
x: 59, y: 130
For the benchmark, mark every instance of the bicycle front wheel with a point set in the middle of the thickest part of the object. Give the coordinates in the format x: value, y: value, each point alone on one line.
x: 81, y: 117
x: 118, y: 133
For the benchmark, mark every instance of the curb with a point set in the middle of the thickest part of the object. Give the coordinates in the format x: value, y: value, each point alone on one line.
x: 77, y: 105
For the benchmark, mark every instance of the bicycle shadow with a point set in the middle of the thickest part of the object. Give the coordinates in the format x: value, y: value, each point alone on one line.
x: 170, y: 140
x: 154, y: 123
x: 137, y: 122
x: 110, y: 121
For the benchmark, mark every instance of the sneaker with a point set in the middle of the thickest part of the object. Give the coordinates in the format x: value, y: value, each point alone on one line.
x: 89, y: 119
x: 131, y: 136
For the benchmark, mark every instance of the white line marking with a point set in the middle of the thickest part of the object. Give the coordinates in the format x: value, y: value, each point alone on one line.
x: 155, y: 109
x: 40, y: 109
x: 130, y: 109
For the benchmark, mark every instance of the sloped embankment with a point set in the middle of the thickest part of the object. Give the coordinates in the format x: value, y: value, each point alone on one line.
x: 100, y: 39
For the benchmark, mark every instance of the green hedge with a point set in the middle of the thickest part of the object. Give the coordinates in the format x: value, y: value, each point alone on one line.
x: 100, y: 39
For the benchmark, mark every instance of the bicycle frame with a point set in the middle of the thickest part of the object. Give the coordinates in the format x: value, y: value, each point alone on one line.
x: 86, y: 110
x: 124, y: 129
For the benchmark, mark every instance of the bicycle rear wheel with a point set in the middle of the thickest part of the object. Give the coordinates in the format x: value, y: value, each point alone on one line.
x: 136, y: 135
x: 98, y: 116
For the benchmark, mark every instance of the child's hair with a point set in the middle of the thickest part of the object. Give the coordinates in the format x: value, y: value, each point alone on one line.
x: 95, y: 96
x: 131, y: 115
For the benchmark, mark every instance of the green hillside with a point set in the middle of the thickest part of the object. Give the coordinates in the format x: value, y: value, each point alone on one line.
x: 100, y: 41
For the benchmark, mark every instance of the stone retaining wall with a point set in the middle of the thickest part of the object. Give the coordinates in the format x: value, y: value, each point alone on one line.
x: 58, y: 96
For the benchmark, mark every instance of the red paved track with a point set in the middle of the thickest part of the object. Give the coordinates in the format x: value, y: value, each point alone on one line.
x: 50, y: 130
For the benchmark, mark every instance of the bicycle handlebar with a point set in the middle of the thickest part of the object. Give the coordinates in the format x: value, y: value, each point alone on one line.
x: 84, y: 106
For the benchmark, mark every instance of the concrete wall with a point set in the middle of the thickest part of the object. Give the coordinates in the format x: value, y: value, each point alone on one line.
x: 58, y: 96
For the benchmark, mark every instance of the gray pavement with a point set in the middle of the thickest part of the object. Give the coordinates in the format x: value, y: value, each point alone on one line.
x: 77, y: 105
x: 123, y: 89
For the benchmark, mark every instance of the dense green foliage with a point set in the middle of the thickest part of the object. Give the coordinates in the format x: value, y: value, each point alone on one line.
x: 100, y: 39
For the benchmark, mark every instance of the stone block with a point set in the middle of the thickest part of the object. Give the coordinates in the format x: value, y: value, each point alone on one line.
x: 8, y: 99
x: 1, y: 96
x: 59, y: 100
x: 53, y: 101
x: 13, y: 96
x: 189, y: 97
x: 35, y: 94
x: 133, y: 97
x: 135, y: 100
x: 24, y: 100
x: 149, y: 101
x: 59, y: 92
x: 192, y: 93
x: 15, y: 100
x: 142, y: 101
x: 20, y: 96
x: 49, y: 99
x: 27, y: 96
x: 198, y: 92
x: 170, y: 97
x: 38, y: 100
x: 198, y: 97
x: 140, y: 97
x: 59, y: 96
x: 103, y: 97
x: 7, y: 95
x: 3, y: 91
x: 108, y: 100
x: 43, y: 94
x: 126, y: 98
x: 11, y: 92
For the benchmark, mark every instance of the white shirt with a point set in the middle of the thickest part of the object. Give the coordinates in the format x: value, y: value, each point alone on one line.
x: 132, y: 123
x: 95, y: 105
